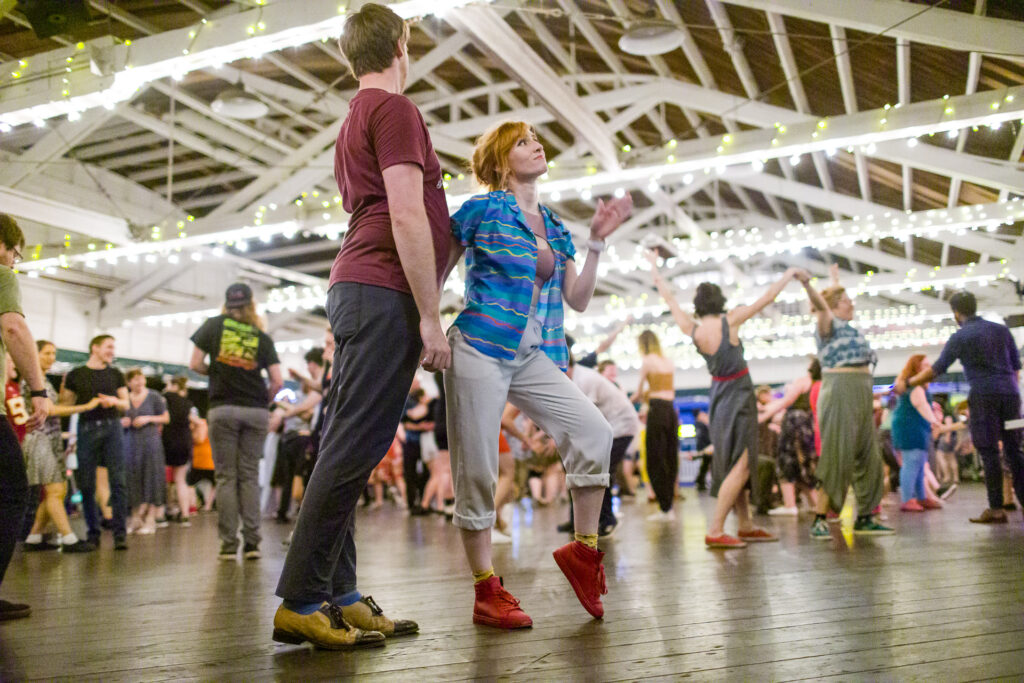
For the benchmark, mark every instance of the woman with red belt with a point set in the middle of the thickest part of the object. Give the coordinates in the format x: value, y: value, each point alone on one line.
x: 733, y: 410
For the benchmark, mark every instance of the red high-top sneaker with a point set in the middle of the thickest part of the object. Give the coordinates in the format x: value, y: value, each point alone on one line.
x: 496, y: 607
x: 582, y: 566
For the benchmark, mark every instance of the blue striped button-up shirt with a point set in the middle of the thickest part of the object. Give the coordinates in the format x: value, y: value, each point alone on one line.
x: 501, y: 265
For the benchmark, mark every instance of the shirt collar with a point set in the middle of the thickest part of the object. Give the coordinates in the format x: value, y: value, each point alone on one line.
x: 549, y: 215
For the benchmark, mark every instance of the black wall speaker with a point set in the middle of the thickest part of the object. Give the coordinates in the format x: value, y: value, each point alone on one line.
x: 52, y: 17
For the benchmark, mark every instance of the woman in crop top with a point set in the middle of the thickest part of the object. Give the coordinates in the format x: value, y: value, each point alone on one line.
x: 849, y: 441
x: 733, y: 410
x: 661, y: 440
x: 508, y: 342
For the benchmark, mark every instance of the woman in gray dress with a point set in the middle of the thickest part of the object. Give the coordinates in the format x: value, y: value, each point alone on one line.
x: 147, y: 477
x: 733, y: 411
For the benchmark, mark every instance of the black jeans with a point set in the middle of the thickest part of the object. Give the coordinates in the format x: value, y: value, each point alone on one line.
x: 989, y: 414
x: 376, y: 333
x: 619, y: 446
x: 663, y: 451
x: 415, y: 479
x: 291, y: 454
x: 13, y: 493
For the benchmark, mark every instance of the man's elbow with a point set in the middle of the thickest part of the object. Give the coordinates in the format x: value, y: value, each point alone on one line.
x: 11, y: 325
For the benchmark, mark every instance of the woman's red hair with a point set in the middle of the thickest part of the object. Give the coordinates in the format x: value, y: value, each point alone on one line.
x: 912, y: 367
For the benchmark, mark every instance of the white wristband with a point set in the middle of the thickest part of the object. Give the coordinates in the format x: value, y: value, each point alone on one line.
x: 595, y: 245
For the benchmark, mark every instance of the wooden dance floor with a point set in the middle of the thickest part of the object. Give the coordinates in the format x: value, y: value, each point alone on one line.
x: 941, y: 601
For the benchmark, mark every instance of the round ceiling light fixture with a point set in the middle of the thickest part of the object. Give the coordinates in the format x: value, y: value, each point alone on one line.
x: 646, y: 38
x: 238, y: 104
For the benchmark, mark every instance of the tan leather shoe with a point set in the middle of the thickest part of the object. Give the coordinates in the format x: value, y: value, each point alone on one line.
x: 326, y: 629
x: 990, y: 516
x: 367, y: 615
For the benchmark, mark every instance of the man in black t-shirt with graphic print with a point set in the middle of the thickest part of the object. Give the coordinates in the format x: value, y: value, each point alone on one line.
x: 100, y: 436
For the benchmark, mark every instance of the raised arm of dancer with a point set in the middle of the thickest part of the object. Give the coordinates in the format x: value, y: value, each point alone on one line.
x: 579, y: 287
x: 683, y: 319
x: 820, y: 308
x: 741, y: 314
x: 790, y: 395
x: 404, y: 186
x: 610, y: 339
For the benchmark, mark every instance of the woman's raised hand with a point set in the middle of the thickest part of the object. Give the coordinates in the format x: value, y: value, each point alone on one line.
x: 609, y: 216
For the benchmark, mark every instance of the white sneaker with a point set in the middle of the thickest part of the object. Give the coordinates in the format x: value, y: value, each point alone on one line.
x: 661, y: 516
x: 498, y: 538
x: 784, y: 512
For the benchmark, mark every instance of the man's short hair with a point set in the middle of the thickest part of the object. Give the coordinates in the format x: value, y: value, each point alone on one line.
x: 10, y: 233
x: 964, y: 303
x: 315, y: 355
x: 98, y: 339
x: 371, y: 37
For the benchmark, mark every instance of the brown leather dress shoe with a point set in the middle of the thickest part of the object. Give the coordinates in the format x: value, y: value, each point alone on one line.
x: 367, y: 615
x: 990, y: 516
x: 326, y: 629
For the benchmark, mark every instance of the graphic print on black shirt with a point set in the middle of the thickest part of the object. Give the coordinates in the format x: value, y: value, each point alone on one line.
x: 238, y: 352
x: 239, y: 345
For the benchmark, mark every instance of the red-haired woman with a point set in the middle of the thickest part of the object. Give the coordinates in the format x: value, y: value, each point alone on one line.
x: 912, y: 424
x: 509, y: 343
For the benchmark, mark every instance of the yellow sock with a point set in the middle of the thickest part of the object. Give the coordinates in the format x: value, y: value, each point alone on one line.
x: 487, y: 573
x: 589, y: 540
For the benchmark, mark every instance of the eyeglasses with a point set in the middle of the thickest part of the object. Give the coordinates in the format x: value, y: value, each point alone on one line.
x: 17, y: 255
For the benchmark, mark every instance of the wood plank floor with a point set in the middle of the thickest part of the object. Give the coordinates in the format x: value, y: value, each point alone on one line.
x: 941, y: 601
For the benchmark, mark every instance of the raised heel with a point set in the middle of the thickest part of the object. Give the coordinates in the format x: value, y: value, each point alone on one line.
x: 286, y: 637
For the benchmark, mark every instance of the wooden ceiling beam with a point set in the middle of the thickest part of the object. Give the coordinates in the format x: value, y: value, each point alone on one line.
x: 918, y: 24
x: 973, y: 73
x: 840, y: 47
x: 784, y: 49
x: 495, y: 37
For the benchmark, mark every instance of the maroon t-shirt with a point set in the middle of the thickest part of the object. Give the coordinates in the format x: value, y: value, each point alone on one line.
x: 381, y: 130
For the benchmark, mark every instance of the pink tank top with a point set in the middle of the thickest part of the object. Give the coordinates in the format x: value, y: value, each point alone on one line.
x: 545, y: 256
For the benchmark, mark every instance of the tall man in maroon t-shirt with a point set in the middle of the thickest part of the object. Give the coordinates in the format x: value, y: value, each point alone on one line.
x: 383, y: 308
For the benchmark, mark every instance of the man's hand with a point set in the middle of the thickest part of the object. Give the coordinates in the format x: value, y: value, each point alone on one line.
x: 107, y: 401
x: 437, y: 355
x: 41, y: 407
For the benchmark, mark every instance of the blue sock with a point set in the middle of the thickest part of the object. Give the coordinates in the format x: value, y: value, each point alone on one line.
x: 302, y: 607
x: 348, y: 598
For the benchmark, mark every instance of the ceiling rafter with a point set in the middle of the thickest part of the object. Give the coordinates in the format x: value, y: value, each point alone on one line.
x: 913, y: 22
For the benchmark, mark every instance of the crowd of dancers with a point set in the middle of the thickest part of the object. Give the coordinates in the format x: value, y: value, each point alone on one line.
x: 508, y: 385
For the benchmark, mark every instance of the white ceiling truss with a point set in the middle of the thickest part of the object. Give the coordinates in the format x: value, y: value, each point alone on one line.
x: 713, y: 139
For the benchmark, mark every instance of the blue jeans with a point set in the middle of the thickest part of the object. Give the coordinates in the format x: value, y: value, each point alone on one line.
x: 101, y: 444
x: 912, y: 474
